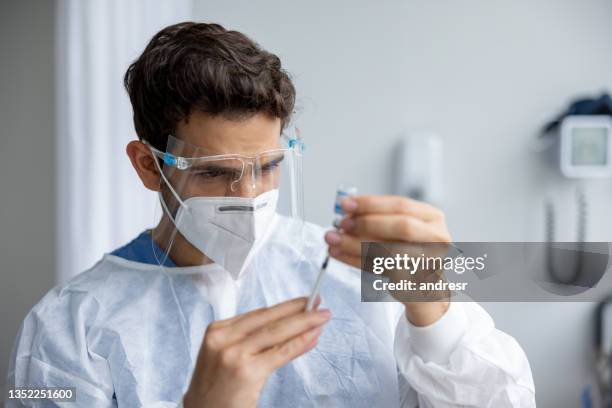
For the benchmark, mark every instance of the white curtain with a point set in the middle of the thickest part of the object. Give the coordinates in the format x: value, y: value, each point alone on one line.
x: 101, y: 202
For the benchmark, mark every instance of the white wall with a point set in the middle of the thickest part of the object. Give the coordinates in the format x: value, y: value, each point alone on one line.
x: 483, y: 74
x: 27, y: 162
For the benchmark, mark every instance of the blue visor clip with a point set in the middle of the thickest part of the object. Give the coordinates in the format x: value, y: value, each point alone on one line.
x: 294, y: 142
x: 169, y: 159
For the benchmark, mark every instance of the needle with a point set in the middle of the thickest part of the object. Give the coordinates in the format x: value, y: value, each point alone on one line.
x: 315, y: 290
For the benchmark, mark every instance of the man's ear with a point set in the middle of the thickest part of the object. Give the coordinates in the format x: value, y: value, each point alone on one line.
x: 143, y: 161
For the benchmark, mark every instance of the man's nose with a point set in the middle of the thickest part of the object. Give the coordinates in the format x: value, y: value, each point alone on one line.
x: 245, y: 188
x: 247, y: 185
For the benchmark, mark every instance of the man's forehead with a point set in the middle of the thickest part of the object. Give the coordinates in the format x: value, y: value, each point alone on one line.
x: 216, y: 134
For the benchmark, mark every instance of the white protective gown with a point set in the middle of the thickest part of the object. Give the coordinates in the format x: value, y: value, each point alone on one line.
x: 127, y: 334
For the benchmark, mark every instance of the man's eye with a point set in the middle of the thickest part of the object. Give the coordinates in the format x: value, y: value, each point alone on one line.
x: 214, y: 173
x: 269, y: 167
x: 209, y: 174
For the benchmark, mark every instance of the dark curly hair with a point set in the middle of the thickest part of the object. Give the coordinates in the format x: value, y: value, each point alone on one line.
x: 196, y: 66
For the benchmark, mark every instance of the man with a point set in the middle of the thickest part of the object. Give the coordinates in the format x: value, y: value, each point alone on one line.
x: 207, y: 309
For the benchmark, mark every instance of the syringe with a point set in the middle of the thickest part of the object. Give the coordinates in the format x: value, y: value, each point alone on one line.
x: 341, y: 193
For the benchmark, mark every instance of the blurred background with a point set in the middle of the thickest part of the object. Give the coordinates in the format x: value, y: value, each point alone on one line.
x: 483, y: 76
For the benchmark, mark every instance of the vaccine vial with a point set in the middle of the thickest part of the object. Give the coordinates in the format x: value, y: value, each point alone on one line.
x: 342, y: 192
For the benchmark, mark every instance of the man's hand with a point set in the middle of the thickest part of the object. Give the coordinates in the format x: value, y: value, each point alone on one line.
x: 390, y: 219
x: 239, y: 354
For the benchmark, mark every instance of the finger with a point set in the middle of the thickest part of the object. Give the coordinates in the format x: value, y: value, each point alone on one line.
x: 352, y: 260
x: 236, y: 328
x: 282, y: 330
x: 292, y: 304
x: 345, y: 243
x: 389, y: 204
x: 389, y: 227
x: 276, y: 357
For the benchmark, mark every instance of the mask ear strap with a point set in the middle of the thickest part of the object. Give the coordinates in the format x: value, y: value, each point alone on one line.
x: 163, y: 176
x: 165, y: 207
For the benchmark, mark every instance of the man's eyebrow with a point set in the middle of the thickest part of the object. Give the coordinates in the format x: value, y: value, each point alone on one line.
x: 220, y: 167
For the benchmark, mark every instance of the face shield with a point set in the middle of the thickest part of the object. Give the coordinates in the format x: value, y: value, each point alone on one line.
x: 224, y: 206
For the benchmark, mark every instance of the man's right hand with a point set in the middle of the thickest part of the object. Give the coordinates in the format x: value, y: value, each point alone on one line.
x: 239, y: 354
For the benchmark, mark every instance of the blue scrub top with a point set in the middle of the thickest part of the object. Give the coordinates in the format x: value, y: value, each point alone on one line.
x: 144, y: 250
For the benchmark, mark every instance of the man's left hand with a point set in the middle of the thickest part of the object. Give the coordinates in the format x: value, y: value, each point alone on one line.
x: 390, y: 219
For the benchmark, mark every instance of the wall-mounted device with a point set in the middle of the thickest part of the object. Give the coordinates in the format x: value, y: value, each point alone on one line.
x: 586, y: 146
x: 418, y: 167
x: 583, y: 138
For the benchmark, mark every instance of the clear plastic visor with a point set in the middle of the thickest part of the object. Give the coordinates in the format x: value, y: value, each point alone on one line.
x: 224, y: 208
x: 190, y: 174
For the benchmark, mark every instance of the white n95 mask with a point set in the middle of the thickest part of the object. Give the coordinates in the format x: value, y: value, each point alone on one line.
x: 228, y: 230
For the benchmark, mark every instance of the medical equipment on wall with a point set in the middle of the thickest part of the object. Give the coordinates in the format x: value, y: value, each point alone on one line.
x: 586, y: 148
x: 551, y: 224
x: 418, y: 167
x: 598, y: 394
x: 342, y: 192
x: 580, y: 140
x: 581, y: 137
